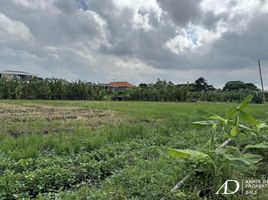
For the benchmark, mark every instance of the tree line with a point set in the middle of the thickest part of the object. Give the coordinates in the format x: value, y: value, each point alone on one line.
x: 51, y: 89
x: 200, y: 90
x: 161, y: 90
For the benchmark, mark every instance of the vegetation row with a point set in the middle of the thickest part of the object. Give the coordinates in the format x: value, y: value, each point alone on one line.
x: 57, y: 89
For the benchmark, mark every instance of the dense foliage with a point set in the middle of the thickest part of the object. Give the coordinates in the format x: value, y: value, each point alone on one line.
x: 58, y: 89
x: 240, y: 152
x: 198, y: 91
x: 54, y: 89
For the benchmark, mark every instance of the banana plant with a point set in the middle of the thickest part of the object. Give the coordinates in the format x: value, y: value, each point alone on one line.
x: 220, y: 156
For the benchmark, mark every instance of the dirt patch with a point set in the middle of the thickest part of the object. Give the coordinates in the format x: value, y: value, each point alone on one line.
x: 26, y: 118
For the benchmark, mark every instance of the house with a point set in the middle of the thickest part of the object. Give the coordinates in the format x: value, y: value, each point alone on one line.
x: 16, y: 75
x: 120, y: 86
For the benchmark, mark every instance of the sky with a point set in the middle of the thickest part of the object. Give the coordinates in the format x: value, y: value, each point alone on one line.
x: 136, y: 40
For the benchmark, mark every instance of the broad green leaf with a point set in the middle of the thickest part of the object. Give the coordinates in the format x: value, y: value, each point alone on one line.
x: 219, y: 118
x: 252, y: 158
x: 234, y: 131
x: 257, y: 146
x: 245, y: 160
x: 228, y: 150
x: 248, y: 118
x: 232, y: 150
x: 245, y: 103
x: 232, y: 112
x: 192, y: 155
x: 213, y: 116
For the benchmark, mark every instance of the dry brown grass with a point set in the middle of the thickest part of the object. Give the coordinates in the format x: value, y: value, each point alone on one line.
x: 28, y: 118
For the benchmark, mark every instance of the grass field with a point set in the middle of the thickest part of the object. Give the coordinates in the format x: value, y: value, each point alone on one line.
x: 102, y: 150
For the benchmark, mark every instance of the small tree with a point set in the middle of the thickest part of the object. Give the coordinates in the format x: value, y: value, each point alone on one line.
x: 201, y: 85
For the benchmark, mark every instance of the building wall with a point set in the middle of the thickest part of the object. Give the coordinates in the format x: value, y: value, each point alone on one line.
x: 118, y: 89
x: 16, y: 76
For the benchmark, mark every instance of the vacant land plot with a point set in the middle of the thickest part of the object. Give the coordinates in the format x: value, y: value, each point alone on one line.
x: 29, y: 118
x: 103, y: 150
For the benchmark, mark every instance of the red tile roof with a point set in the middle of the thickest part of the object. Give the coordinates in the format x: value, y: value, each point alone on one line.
x: 121, y: 84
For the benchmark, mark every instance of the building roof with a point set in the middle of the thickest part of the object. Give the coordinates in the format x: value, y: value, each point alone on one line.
x: 16, y: 73
x: 121, y: 84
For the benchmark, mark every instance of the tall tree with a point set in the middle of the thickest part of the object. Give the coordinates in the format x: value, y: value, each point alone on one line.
x: 239, y: 85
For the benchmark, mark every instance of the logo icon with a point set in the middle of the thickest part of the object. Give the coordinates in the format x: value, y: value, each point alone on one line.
x: 224, y: 187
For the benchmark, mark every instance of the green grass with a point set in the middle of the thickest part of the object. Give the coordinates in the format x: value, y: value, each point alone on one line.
x: 103, y: 157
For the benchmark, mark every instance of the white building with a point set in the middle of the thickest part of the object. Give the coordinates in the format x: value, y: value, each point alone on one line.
x: 17, y: 75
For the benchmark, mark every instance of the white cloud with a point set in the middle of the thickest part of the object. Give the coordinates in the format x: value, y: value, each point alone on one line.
x: 179, y: 44
x: 216, y: 6
x: 12, y: 31
x: 36, y: 4
x: 193, y: 37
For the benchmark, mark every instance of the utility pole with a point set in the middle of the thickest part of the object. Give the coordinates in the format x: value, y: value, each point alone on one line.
x: 263, y: 93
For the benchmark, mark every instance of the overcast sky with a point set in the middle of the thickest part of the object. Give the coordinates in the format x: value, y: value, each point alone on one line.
x: 136, y: 40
